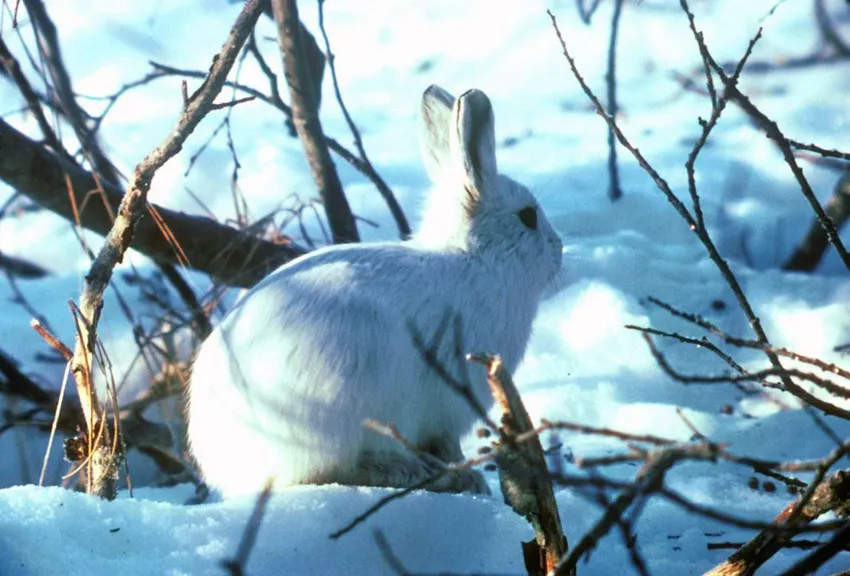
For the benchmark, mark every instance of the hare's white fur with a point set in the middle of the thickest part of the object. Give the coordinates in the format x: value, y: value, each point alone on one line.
x: 283, y: 385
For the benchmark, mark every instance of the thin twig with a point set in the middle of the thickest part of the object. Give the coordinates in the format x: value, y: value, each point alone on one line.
x: 305, y: 116
x: 819, y: 557
x: 236, y: 565
x: 586, y: 13
x: 701, y: 233
x: 772, y: 131
x: 13, y: 69
x: 718, y: 105
x: 380, y: 184
x: 235, y: 257
x: 830, y: 35
x: 785, y: 374
x: 823, y: 497
x: 390, y: 557
x: 55, y: 423
x: 133, y: 206
x: 162, y: 70
x: 825, y: 152
x: 606, y: 432
x: 813, y: 247
x: 401, y: 493
x: 648, y: 480
x: 745, y: 343
x: 429, y: 354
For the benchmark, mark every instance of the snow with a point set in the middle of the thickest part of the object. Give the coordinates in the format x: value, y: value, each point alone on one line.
x: 581, y: 366
x: 155, y: 534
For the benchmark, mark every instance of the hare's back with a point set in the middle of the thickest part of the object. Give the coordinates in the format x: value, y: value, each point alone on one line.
x: 393, y: 279
x: 341, y: 310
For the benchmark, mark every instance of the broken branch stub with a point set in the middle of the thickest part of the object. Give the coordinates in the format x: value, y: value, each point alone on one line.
x: 523, y: 474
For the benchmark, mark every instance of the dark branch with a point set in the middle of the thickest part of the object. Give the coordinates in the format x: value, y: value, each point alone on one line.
x: 230, y: 255
x: 305, y: 116
x: 813, y: 247
x: 383, y: 189
x: 615, y: 191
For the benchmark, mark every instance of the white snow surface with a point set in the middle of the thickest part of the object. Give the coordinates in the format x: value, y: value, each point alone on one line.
x: 581, y: 366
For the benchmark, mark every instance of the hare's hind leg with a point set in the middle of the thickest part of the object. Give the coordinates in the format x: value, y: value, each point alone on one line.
x: 402, y: 470
x: 390, y: 468
x: 447, y: 450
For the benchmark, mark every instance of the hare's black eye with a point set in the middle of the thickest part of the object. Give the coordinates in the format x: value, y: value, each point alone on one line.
x: 528, y: 216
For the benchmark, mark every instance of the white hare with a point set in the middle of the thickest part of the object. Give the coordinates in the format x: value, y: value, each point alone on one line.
x: 283, y: 385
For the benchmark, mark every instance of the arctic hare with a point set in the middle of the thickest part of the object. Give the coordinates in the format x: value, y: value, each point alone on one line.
x: 283, y: 385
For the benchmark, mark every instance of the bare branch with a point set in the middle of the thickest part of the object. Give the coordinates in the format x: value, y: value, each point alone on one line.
x: 523, y: 473
x: 615, y: 191
x: 230, y: 255
x: 236, y: 565
x: 830, y: 35
x: 648, y: 480
x: 819, y: 557
x: 20, y: 385
x: 742, y: 342
x: 398, y: 494
x: 718, y: 105
x: 586, y: 13
x: 820, y: 150
x: 120, y: 236
x: 772, y: 131
x: 832, y: 494
x: 305, y: 116
x: 811, y: 250
x: 428, y: 351
x: 701, y: 232
x: 606, y: 432
x: 787, y: 385
x: 18, y: 267
x: 699, y: 343
x: 63, y: 92
x: 200, y: 321
x: 390, y: 557
x: 13, y: 69
x: 274, y: 100
x: 383, y: 189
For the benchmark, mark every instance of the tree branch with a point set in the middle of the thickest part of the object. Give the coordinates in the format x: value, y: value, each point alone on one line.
x: 701, y: 232
x: 63, y: 92
x: 614, y: 191
x: 233, y: 256
x: 832, y: 494
x: 383, y: 189
x: 772, y: 131
x: 13, y: 70
x: 811, y: 250
x: 102, y: 478
x: 305, y: 116
x: 523, y: 474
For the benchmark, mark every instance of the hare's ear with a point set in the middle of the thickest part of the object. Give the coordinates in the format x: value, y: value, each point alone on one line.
x: 436, y: 119
x: 473, y: 142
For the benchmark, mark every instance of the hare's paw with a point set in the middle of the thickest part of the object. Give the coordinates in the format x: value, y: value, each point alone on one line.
x: 391, y: 469
x: 398, y: 470
x: 471, y: 481
x: 447, y: 449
